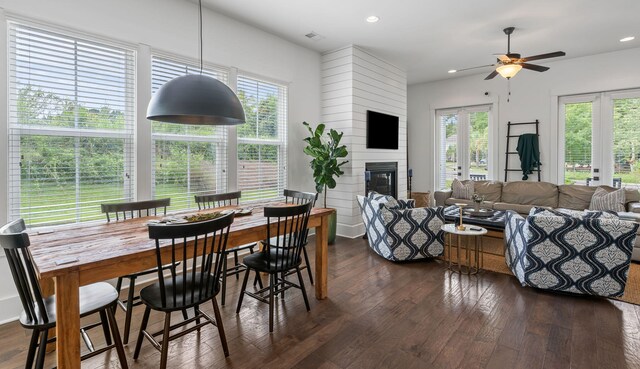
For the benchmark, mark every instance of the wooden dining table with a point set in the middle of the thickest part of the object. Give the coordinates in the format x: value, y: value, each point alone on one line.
x: 80, y: 254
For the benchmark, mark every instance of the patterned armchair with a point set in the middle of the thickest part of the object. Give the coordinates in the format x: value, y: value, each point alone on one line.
x: 584, y: 253
x: 397, y: 231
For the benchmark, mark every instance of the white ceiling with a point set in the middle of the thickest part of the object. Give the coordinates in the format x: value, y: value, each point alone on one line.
x: 427, y: 37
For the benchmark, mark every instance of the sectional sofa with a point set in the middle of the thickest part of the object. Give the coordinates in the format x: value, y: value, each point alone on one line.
x: 522, y: 196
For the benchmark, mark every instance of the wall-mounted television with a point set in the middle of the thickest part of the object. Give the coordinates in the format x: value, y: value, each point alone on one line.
x: 382, y: 131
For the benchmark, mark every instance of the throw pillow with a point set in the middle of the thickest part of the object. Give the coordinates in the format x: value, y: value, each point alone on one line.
x: 462, y: 190
x: 587, y: 214
x: 386, y: 200
x: 611, y: 201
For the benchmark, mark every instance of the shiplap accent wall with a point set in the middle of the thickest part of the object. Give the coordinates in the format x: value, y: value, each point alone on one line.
x: 353, y: 81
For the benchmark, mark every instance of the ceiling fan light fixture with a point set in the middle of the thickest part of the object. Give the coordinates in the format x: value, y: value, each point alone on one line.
x: 508, y: 70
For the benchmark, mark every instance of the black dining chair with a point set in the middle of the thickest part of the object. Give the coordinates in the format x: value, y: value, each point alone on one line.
x: 298, y: 197
x: 218, y: 200
x: 39, y: 314
x: 201, y: 246
x: 290, y: 224
x: 129, y: 210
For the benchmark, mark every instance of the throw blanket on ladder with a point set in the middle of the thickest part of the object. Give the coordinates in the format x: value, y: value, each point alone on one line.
x: 529, y: 153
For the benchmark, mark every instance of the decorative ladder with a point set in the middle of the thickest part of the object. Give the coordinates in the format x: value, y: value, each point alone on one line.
x: 507, y: 153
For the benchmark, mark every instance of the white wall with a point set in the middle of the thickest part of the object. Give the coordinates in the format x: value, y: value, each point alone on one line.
x: 171, y: 26
x: 353, y: 81
x: 533, y: 96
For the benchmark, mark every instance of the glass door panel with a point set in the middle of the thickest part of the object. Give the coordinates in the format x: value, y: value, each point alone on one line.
x: 626, y: 142
x: 448, y: 149
x: 478, y: 145
x: 578, y: 127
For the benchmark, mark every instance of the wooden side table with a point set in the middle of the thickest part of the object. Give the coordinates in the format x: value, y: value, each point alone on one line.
x: 469, y: 232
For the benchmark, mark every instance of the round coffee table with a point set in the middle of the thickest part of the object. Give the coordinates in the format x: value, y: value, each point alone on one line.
x: 469, y: 232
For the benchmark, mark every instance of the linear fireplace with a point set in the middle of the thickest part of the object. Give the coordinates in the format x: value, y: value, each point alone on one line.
x: 382, y: 178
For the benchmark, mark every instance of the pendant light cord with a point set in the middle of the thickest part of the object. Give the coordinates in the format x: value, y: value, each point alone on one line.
x: 200, y: 26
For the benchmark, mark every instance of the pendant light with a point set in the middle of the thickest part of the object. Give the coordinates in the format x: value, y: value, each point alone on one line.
x: 196, y: 99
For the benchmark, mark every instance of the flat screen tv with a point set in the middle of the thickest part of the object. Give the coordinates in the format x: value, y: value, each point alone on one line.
x: 382, y: 131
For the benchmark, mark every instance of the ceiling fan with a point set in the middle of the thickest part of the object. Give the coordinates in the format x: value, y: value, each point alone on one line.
x: 509, y: 64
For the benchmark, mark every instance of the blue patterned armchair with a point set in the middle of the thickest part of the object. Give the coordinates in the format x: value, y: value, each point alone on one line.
x: 584, y: 253
x: 398, y: 232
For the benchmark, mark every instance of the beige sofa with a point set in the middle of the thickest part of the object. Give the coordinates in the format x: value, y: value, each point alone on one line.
x: 522, y: 196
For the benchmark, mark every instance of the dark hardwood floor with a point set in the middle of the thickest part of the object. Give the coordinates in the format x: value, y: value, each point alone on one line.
x: 385, y: 315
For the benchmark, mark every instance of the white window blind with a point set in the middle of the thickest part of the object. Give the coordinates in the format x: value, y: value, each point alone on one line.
x: 187, y: 159
x: 71, y: 112
x: 262, y: 140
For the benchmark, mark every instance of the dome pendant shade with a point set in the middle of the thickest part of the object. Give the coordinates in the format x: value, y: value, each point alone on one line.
x: 196, y: 99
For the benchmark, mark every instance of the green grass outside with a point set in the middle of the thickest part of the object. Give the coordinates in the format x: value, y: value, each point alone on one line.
x: 49, y: 204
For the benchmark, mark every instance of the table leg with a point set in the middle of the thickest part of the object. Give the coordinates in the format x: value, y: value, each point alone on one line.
x: 322, y: 238
x: 68, y: 320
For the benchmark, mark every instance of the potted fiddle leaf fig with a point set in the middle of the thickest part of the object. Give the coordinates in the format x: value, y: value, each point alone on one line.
x: 326, y: 153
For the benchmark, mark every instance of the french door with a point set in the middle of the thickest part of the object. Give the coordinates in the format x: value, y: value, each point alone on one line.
x: 464, y: 142
x: 599, y: 139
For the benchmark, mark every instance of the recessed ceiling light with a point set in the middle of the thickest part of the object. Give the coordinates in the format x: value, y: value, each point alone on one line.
x: 626, y: 39
x: 372, y: 19
x: 451, y: 71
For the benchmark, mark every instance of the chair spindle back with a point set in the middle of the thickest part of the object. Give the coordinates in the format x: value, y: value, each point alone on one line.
x: 290, y: 232
x: 15, y: 242
x: 209, y: 240
x: 218, y: 200
x: 299, y: 197
x: 136, y: 209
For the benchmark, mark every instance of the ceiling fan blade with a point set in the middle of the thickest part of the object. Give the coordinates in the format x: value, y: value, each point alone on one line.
x: 482, y: 66
x: 537, y: 68
x: 503, y: 58
x: 491, y: 75
x: 544, y: 56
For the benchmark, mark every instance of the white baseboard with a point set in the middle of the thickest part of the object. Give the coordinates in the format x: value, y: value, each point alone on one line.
x: 350, y: 231
x: 10, y: 309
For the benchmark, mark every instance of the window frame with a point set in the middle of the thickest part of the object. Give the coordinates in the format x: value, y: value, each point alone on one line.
x: 281, y: 141
x: 462, y: 141
x: 220, y: 139
x: 16, y: 131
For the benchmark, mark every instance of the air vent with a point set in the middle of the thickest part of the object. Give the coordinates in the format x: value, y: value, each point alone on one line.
x: 314, y: 36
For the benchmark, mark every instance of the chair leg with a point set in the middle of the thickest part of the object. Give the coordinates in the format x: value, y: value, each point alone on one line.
x: 223, y: 337
x: 143, y: 326
x: 244, y: 287
x: 306, y: 260
x: 105, y: 327
x: 165, y: 341
x: 129, y: 312
x: 118, y: 288
x: 272, y: 281
x: 33, y: 345
x: 224, y: 278
x: 196, y: 311
x: 257, y: 280
x: 282, y: 276
x: 304, y: 291
x: 235, y: 259
x: 116, y: 337
x: 42, y: 349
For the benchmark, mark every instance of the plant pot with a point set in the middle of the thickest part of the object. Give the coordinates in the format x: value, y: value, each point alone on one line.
x: 333, y: 223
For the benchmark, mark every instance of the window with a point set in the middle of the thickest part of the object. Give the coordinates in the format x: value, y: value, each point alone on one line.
x: 71, y: 113
x: 262, y: 141
x: 600, y: 133
x: 464, y: 144
x: 187, y: 159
